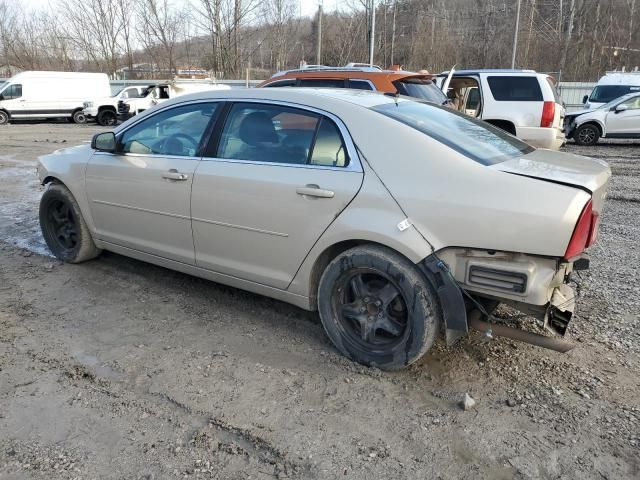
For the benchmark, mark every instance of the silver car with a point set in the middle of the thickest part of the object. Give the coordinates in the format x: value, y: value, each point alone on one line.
x: 391, y: 217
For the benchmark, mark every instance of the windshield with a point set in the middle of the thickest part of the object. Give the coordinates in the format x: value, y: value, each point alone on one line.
x: 616, y: 101
x: 422, y: 89
x: 606, y: 93
x: 473, y: 138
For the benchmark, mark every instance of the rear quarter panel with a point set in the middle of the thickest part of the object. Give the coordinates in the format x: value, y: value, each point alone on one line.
x: 455, y: 201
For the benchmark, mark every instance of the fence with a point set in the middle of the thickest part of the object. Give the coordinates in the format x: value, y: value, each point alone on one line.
x: 571, y: 93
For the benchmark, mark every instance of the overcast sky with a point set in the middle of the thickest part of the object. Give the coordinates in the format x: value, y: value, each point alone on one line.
x: 307, y: 7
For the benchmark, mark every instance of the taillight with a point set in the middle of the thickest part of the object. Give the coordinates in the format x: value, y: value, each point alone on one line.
x: 593, y: 231
x: 585, y: 232
x: 548, y: 113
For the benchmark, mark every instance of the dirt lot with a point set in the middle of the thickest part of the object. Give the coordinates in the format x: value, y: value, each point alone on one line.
x: 119, y: 369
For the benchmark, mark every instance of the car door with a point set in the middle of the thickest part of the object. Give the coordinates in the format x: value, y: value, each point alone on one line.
x: 624, y: 122
x: 12, y: 100
x: 274, y: 180
x: 140, y: 196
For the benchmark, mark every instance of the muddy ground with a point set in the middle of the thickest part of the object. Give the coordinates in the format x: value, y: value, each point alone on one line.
x: 119, y: 369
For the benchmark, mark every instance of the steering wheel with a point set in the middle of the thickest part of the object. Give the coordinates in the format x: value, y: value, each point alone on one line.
x: 177, y: 136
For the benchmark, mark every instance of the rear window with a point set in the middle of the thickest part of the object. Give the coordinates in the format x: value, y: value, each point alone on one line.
x: 606, y: 93
x: 515, y: 89
x: 475, y: 139
x: 422, y: 89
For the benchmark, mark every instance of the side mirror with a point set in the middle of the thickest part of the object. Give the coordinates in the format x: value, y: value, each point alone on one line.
x: 585, y: 98
x: 621, y: 108
x: 104, y: 142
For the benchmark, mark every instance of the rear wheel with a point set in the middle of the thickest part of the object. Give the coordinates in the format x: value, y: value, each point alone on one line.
x: 587, y: 134
x: 63, y: 227
x: 79, y: 117
x: 377, y: 308
x: 107, y: 118
x: 4, y: 117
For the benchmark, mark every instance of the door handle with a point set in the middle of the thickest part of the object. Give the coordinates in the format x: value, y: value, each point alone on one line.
x: 314, y: 191
x: 173, y: 174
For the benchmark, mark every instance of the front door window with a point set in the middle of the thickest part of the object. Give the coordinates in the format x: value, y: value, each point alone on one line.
x: 176, y: 131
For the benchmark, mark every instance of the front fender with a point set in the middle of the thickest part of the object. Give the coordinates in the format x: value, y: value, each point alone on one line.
x: 68, y: 167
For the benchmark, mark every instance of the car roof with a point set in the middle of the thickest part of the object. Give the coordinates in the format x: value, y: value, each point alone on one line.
x: 321, y: 98
x: 478, y: 71
x: 347, y: 73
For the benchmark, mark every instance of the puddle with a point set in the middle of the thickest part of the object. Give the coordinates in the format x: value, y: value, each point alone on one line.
x: 20, y: 193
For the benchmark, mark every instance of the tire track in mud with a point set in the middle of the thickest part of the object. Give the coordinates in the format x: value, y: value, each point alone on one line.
x: 209, y: 433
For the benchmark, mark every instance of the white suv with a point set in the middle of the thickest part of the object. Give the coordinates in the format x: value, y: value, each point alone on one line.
x: 620, y: 118
x: 521, y: 102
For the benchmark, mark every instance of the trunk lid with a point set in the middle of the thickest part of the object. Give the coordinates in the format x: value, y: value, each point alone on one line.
x: 577, y: 171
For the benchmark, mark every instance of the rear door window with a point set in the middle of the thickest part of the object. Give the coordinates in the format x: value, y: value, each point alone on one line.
x: 328, y: 149
x: 360, y: 85
x: 515, y: 89
x: 269, y: 133
x: 323, y: 82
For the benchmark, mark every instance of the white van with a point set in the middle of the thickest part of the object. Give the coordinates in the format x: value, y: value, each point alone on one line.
x: 50, y: 95
x: 613, y: 85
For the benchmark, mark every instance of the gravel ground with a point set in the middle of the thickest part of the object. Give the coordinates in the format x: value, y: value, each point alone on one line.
x: 120, y: 369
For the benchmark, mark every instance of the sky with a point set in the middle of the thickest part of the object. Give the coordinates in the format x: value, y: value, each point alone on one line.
x: 307, y: 7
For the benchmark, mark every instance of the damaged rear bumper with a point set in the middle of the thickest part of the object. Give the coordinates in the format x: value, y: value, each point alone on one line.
x: 468, y: 279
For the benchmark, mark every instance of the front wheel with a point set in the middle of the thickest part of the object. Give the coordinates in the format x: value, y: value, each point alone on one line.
x: 377, y: 308
x: 63, y: 227
x: 587, y: 134
x: 107, y: 118
x: 79, y: 117
x: 4, y: 117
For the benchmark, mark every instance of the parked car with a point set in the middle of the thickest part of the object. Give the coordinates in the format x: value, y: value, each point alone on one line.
x: 611, y: 86
x: 31, y: 95
x: 156, y: 94
x: 104, y: 110
x: 619, y: 118
x: 265, y: 190
x: 361, y: 77
x: 521, y: 102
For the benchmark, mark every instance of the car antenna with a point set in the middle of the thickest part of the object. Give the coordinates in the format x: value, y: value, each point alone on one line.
x: 395, y: 96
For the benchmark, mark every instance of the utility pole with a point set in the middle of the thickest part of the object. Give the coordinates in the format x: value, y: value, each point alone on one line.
x: 319, y: 38
x: 372, y: 31
x: 515, y: 37
x: 393, y: 33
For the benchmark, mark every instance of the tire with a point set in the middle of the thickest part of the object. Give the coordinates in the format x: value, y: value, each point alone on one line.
x: 587, y: 134
x: 79, y: 117
x: 377, y: 307
x: 4, y: 117
x: 107, y: 118
x: 63, y: 226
